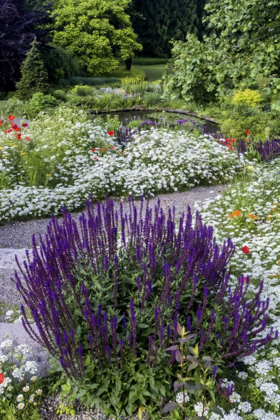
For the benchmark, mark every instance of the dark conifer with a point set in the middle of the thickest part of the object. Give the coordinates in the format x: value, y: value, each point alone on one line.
x: 34, y: 77
x: 18, y: 27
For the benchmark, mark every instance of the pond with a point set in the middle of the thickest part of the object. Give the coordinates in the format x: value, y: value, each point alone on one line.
x: 130, y: 118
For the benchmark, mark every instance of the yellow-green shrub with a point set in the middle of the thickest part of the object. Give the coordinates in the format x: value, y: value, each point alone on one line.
x: 248, y: 96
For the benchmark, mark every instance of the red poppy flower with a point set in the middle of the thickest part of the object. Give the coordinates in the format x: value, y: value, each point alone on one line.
x: 231, y: 149
x: 95, y: 158
x: 247, y: 132
x: 93, y: 150
x: 1, y: 122
x: 112, y: 147
x: 27, y: 138
x: 111, y: 133
x: 245, y: 280
x: 245, y: 249
x: 24, y: 125
x: 8, y: 131
x: 11, y: 117
x: 100, y: 150
x: 15, y: 127
x: 105, y: 149
x: 2, y: 378
x: 18, y: 136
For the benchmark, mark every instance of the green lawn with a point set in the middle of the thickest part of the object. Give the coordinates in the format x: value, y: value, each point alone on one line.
x: 153, y: 72
x: 135, y: 72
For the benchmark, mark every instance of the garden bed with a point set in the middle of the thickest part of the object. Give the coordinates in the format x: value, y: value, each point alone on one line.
x: 63, y: 160
x: 67, y: 158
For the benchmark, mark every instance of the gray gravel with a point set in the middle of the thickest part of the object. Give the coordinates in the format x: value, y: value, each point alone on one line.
x: 18, y: 234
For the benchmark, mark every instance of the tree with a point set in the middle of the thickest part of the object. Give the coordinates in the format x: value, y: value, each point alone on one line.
x: 160, y: 21
x: 34, y: 75
x: 241, y: 49
x: 59, y: 63
x: 96, y: 32
x: 200, y: 4
x: 246, y: 33
x: 18, y: 27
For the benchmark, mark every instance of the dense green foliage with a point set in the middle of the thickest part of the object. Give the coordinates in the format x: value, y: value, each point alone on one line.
x: 241, y: 48
x: 34, y: 77
x: 96, y: 32
x: 157, y: 22
x: 59, y: 63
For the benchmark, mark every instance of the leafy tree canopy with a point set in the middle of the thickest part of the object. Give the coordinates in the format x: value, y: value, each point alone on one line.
x: 97, y: 32
x: 242, y: 47
x: 18, y: 28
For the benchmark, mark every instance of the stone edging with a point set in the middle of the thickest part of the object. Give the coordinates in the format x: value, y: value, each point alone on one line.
x: 143, y: 108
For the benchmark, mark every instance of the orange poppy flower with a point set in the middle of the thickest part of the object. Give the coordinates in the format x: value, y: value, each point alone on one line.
x: 252, y: 216
x: 235, y: 213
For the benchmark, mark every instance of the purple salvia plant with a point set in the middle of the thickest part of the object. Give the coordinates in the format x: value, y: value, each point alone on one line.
x: 116, y: 270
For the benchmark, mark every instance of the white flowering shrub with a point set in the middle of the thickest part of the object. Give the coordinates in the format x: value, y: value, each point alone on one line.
x: 70, y: 159
x: 20, y: 394
x: 50, y: 150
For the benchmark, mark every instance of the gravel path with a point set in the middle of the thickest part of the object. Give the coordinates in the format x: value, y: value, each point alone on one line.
x: 18, y: 234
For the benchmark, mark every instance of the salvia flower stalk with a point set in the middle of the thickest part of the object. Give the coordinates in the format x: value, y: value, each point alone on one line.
x: 113, y: 286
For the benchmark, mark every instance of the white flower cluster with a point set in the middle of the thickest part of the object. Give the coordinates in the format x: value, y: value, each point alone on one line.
x: 250, y: 215
x: 155, y: 161
x: 15, y: 368
x: 182, y: 397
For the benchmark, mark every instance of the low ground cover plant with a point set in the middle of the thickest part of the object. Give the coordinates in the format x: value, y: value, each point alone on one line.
x: 108, y: 302
x: 20, y: 392
x: 248, y: 213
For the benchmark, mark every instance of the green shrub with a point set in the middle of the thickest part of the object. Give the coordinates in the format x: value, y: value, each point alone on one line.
x: 40, y: 102
x: 17, y: 107
x: 190, y: 74
x: 248, y: 96
x: 152, y: 98
x: 84, y: 90
x: 134, y: 86
x: 34, y: 75
x: 60, y: 95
